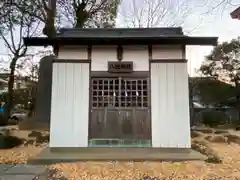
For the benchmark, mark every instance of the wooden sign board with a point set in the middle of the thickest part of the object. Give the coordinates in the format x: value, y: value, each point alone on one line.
x: 120, y: 67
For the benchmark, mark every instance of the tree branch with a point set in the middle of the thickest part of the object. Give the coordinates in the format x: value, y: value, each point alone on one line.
x: 6, y: 42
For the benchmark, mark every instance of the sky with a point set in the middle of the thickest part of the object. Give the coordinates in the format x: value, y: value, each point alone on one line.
x: 203, y: 18
x: 220, y: 25
x: 197, y: 18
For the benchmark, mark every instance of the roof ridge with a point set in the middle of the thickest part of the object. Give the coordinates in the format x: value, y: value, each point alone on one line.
x: 157, y: 31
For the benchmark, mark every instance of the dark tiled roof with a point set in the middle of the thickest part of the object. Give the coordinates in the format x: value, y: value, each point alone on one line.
x: 120, y: 32
x: 129, y: 36
x: 236, y: 13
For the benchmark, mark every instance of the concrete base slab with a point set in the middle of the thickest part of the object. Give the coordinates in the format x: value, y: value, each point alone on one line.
x: 48, y: 156
x: 5, y: 167
x: 17, y: 177
x: 22, y: 172
x: 26, y: 169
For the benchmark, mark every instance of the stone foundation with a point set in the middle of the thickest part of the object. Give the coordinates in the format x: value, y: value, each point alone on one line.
x: 57, y: 155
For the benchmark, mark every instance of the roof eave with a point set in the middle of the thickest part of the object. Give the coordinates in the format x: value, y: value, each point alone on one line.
x: 37, y: 41
x: 211, y: 41
x: 43, y: 41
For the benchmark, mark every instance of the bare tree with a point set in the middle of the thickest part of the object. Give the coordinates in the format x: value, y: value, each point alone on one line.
x: 223, y: 63
x: 26, y: 78
x: 220, y: 6
x: 12, y: 33
x: 55, y: 14
x: 170, y: 13
x: 87, y: 13
x: 28, y: 66
x: 42, y: 11
x: 49, y: 22
x: 153, y: 13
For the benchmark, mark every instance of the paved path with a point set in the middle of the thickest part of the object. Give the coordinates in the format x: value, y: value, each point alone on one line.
x: 22, y: 172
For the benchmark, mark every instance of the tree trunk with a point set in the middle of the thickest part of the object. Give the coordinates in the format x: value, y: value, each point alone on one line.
x: 81, y: 19
x: 238, y: 99
x: 81, y: 14
x: 9, y: 104
x: 32, y: 99
x: 49, y: 30
x: 191, y: 106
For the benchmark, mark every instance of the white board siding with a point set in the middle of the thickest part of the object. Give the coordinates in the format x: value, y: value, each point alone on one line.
x: 102, y: 54
x: 167, y: 52
x: 138, y: 55
x: 70, y: 104
x: 170, y: 105
x: 73, y: 52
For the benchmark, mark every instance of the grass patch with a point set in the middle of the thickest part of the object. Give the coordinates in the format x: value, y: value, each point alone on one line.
x: 214, y: 160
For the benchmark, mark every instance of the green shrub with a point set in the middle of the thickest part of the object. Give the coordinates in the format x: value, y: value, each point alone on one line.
x: 8, y: 142
x: 213, y: 159
x: 3, y: 120
x: 205, y: 130
x: 219, y: 131
x: 214, y: 118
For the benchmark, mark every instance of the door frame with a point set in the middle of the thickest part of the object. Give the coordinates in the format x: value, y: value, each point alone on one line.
x: 105, y: 74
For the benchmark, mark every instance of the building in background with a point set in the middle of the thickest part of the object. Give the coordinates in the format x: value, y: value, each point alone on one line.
x: 236, y: 14
x: 20, y: 82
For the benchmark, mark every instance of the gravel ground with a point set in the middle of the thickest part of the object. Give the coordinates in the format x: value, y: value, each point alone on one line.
x: 229, y: 169
x: 18, y: 155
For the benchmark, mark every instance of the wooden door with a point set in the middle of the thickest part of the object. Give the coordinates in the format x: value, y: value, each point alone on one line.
x: 120, y: 109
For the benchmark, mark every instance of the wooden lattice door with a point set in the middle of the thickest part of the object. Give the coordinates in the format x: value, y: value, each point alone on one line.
x: 120, y: 109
